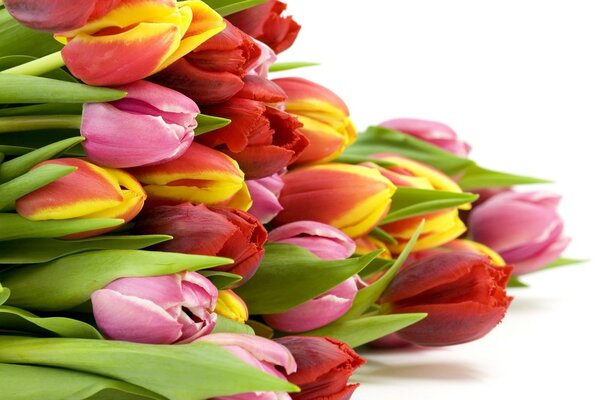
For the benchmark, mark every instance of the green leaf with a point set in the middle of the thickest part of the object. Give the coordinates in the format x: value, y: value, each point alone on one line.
x: 7, y: 62
x: 60, y: 384
x: 208, y: 123
x: 226, y: 325
x: 261, y: 329
x: 367, y: 296
x: 364, y: 330
x: 382, y: 235
x: 515, y: 282
x: 14, y: 150
x: 69, y: 281
x: 13, y: 226
x: 228, y: 7
x: 378, y: 264
x: 36, y: 178
x: 409, y: 202
x: 20, y: 165
x: 285, y: 66
x: 29, y: 251
x: 4, y: 294
x: 561, y: 262
x: 15, y: 319
x: 183, y: 372
x: 222, y: 280
x: 17, y: 39
x: 44, y: 90
x: 43, y: 109
x: 476, y: 177
x: 39, y: 122
x: 290, y: 275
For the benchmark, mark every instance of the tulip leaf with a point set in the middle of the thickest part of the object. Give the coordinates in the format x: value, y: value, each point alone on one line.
x: 14, y: 150
x: 19, y: 40
x: 4, y: 294
x: 30, y: 251
x: 183, y: 372
x: 515, y: 282
x: 380, y: 234
x: 29, y: 382
x: 290, y: 275
x: 286, y: 66
x: 222, y: 280
x: 25, y: 123
x: 228, y: 7
x: 476, y: 177
x: 409, y: 202
x: 261, y: 329
x: 69, y: 281
x: 367, y: 296
x: 208, y: 123
x: 360, y: 331
x: 34, y: 89
x: 7, y: 62
x: 226, y: 325
x: 13, y: 226
x: 43, y: 109
x: 17, y: 320
x: 562, y: 262
x: 36, y: 178
x: 378, y: 264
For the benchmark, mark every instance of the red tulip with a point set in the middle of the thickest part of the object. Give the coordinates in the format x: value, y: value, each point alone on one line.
x: 462, y: 293
x: 324, y: 367
x: 265, y: 23
x: 211, y: 231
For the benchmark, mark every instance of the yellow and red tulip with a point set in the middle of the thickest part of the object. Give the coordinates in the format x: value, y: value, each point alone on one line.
x: 230, y: 305
x: 351, y: 198
x: 88, y: 192
x: 136, y: 39
x: 200, y: 176
x: 464, y: 245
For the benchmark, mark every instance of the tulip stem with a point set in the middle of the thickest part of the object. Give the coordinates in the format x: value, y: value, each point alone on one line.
x: 39, y: 66
x: 39, y: 122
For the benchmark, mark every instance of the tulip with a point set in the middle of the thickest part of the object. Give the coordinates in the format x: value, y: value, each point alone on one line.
x: 151, y: 125
x: 317, y: 312
x: 324, y: 367
x: 136, y: 39
x: 462, y: 293
x: 265, y: 23
x: 200, y: 175
x: 524, y: 228
x: 231, y: 306
x: 463, y: 245
x: 57, y: 15
x: 324, y: 241
x: 265, y: 197
x: 262, y: 139
x: 264, y: 354
x: 210, y: 231
x: 88, y: 192
x: 324, y: 116
x: 434, y: 133
x: 351, y: 198
x: 166, y: 309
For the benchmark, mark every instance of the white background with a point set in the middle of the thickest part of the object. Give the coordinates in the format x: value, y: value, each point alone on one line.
x: 519, y: 80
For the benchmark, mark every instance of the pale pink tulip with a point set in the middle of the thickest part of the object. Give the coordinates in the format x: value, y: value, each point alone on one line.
x: 265, y: 197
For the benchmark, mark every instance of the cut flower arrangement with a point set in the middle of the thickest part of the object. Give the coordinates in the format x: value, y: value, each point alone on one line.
x: 177, y: 223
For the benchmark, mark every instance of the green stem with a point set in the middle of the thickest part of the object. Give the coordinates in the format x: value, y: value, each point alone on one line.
x: 39, y: 122
x: 38, y: 67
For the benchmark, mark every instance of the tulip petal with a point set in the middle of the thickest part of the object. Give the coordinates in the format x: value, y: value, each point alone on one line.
x: 164, y: 291
x: 543, y: 258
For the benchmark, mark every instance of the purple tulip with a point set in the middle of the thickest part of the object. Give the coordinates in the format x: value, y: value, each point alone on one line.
x: 261, y: 353
x: 176, y: 308
x: 324, y: 241
x: 265, y: 197
x: 152, y: 125
x: 432, y: 132
x: 524, y: 228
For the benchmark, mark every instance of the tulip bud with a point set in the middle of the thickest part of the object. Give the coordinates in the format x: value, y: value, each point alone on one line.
x: 152, y: 125
x: 210, y: 231
x: 200, y: 175
x: 264, y: 354
x: 462, y: 245
x: 231, y: 306
x: 265, y: 23
x: 324, y: 241
x: 88, y: 192
x: 434, y: 133
x: 262, y: 139
x: 351, y: 198
x: 324, y: 367
x: 265, y: 197
x: 136, y: 39
x: 166, y: 309
x: 463, y: 295
x: 524, y: 228
x: 325, y: 119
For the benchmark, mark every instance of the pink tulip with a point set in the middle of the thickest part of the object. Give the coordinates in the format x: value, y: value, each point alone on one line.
x: 264, y: 354
x: 524, y: 228
x: 317, y: 312
x: 324, y: 241
x: 435, y: 133
x: 152, y: 125
x: 265, y: 197
x: 176, y: 308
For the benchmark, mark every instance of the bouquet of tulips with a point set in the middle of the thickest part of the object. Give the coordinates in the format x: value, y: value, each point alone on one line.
x: 177, y: 224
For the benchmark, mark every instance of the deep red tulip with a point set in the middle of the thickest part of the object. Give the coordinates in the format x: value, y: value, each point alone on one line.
x: 462, y: 293
x: 211, y: 231
x: 265, y: 23
x: 324, y: 367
